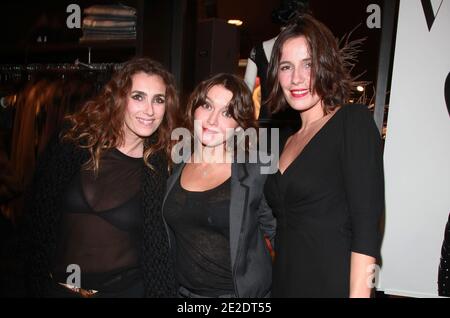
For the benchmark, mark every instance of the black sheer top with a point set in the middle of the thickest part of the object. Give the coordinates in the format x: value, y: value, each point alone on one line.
x: 101, y: 222
x: 201, y: 224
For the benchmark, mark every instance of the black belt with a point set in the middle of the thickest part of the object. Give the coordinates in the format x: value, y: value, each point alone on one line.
x: 120, y: 280
x: 186, y: 293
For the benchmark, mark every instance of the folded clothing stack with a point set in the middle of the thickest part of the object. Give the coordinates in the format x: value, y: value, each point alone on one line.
x: 109, y: 22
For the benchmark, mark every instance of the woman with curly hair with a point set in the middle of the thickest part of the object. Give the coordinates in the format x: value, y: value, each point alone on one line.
x: 94, y: 224
x: 328, y: 194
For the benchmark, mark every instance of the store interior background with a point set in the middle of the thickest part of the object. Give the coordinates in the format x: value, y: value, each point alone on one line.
x: 167, y: 31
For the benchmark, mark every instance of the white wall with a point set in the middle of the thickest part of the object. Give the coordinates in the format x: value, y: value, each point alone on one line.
x: 417, y: 153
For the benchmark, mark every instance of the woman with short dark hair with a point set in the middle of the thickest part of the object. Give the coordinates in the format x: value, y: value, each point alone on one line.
x: 217, y: 217
x: 328, y: 194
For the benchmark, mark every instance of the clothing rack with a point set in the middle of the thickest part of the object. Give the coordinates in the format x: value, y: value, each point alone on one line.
x: 40, y: 96
x: 58, y: 67
x: 16, y: 73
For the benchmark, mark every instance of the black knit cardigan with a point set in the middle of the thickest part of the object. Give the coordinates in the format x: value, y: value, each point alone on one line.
x: 56, y: 168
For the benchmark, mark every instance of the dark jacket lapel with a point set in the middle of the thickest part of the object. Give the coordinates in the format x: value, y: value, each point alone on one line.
x: 238, y: 204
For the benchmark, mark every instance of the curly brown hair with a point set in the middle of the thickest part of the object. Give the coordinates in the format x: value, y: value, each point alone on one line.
x: 331, y: 78
x: 98, y: 126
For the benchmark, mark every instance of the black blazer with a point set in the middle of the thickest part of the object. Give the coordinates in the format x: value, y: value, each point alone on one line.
x: 250, y: 219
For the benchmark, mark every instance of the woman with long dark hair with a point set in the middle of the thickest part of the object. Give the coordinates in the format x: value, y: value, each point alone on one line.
x: 93, y: 223
x: 328, y: 193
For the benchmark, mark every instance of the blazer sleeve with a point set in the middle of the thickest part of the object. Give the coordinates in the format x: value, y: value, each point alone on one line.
x: 266, y: 220
x: 364, y: 179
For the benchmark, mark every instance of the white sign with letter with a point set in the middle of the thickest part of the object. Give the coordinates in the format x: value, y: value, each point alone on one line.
x: 417, y: 151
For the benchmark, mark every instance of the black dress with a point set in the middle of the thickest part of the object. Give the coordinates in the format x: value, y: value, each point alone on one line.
x: 328, y: 203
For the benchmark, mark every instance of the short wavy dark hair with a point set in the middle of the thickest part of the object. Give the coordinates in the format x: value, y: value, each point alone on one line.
x: 331, y: 79
x: 240, y: 107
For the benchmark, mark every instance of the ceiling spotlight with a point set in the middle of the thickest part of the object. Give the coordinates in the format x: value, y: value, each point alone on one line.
x: 235, y: 22
x: 360, y: 89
